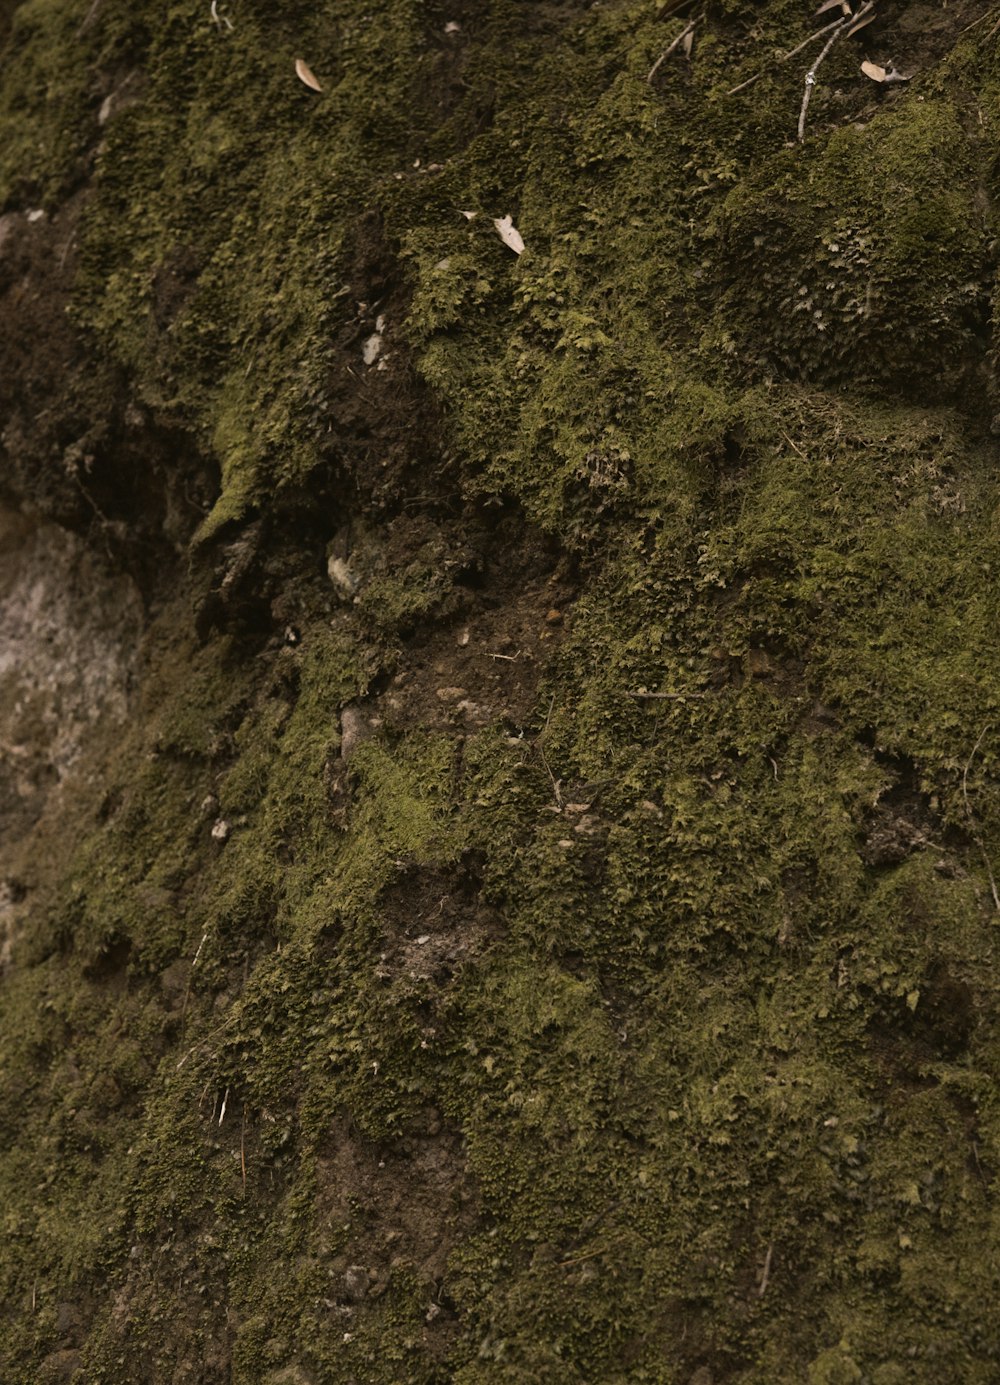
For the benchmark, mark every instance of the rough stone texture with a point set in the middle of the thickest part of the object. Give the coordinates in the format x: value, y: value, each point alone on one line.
x: 70, y: 629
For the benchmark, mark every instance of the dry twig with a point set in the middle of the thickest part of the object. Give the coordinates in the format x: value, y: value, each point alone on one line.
x: 671, y: 49
x: 849, y: 22
x: 835, y: 24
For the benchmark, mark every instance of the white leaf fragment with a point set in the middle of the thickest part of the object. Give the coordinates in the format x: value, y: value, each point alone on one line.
x: 470, y: 216
x: 872, y: 70
x: 305, y: 74
x: 371, y: 348
x: 509, y: 233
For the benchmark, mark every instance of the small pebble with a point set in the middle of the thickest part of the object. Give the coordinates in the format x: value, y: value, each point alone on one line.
x: 355, y: 1283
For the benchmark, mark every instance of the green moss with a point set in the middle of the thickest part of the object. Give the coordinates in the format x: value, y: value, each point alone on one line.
x: 864, y: 263
x: 48, y: 104
x: 710, y: 1045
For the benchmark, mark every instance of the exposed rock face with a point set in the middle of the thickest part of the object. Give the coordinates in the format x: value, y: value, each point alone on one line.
x: 70, y: 630
x: 499, y: 716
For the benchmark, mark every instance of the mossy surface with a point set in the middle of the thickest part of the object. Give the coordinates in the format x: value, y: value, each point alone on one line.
x: 540, y: 923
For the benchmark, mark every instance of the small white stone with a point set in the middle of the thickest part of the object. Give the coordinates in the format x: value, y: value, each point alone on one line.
x: 343, y: 578
x: 355, y: 727
x: 220, y: 830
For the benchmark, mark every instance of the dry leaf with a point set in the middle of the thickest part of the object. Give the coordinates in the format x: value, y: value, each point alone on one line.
x: 687, y: 43
x: 509, y: 233
x: 834, y: 5
x: 470, y: 216
x: 306, y: 74
x: 872, y: 70
x: 860, y: 23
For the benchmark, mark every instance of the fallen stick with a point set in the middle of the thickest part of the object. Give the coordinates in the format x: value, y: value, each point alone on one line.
x: 785, y: 56
x: 845, y: 25
x: 672, y: 49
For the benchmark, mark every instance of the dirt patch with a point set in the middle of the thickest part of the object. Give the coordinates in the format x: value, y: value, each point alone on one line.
x: 405, y: 1208
x: 485, y: 666
x: 435, y: 923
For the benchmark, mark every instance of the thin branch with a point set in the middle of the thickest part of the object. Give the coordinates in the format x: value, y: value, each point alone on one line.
x: 843, y: 25
x: 88, y: 19
x: 795, y: 446
x: 988, y: 14
x: 671, y: 49
x: 790, y: 54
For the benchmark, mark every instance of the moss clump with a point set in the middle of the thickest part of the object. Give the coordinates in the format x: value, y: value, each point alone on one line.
x: 865, y: 263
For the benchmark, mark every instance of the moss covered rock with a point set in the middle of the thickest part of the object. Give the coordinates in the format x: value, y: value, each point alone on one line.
x: 537, y: 921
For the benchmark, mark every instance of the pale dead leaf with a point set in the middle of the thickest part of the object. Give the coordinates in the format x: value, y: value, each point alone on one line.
x: 509, y: 233
x: 834, y: 5
x: 872, y: 70
x: 305, y: 74
x: 860, y: 23
x: 470, y: 216
x: 687, y: 43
